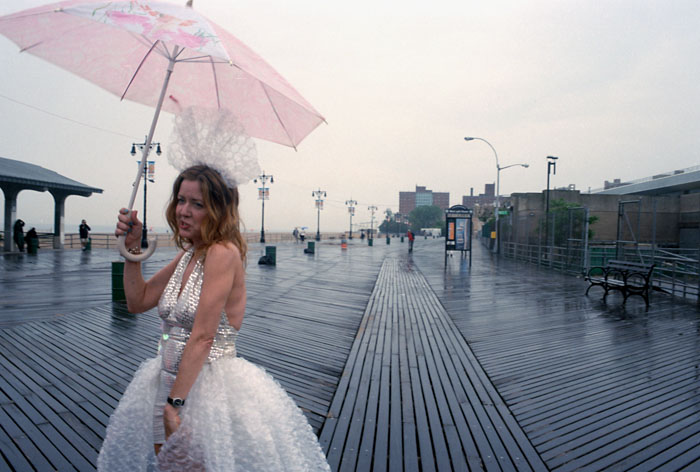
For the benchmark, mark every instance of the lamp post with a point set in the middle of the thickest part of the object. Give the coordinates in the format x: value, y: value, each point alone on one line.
x: 498, y: 186
x: 319, y: 195
x: 262, y: 195
x: 371, y: 208
x: 144, y: 163
x: 351, y: 209
x: 551, y: 169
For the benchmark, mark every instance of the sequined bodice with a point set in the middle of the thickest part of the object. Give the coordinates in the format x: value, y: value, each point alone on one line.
x: 177, y: 309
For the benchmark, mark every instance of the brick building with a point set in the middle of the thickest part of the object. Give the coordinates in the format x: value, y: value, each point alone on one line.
x: 422, y: 197
x: 486, y: 198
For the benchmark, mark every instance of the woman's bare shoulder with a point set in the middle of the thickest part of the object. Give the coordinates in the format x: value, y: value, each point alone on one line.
x: 224, y: 252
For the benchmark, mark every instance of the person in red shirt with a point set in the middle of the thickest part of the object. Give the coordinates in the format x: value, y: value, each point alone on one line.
x: 411, y: 237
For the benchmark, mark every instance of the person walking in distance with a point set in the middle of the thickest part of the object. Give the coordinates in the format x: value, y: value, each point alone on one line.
x: 411, y: 238
x: 84, y: 230
x: 18, y: 234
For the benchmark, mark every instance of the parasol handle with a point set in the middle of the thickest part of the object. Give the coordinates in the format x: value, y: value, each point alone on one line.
x: 147, y: 252
x: 121, y: 240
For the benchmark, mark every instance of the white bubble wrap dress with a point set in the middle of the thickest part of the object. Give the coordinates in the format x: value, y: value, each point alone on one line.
x: 236, y: 417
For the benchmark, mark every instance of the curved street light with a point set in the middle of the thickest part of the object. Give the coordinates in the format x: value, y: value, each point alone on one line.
x: 371, y: 208
x: 319, y: 195
x: 551, y: 169
x: 146, y: 179
x: 263, y: 195
x: 498, y: 183
x: 351, y: 210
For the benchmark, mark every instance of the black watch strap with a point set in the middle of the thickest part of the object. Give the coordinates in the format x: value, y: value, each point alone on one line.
x: 176, y: 402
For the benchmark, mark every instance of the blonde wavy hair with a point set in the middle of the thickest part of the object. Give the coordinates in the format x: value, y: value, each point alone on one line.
x: 222, y: 222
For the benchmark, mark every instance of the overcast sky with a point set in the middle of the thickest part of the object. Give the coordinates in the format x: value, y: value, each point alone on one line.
x: 609, y: 87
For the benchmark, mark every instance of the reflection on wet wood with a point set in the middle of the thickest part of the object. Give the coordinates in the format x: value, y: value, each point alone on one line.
x: 397, y: 362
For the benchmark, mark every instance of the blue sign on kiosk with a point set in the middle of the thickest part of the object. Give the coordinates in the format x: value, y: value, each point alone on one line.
x: 459, y: 231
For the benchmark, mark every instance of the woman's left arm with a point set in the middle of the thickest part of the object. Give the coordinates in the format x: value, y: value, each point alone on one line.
x: 221, y: 266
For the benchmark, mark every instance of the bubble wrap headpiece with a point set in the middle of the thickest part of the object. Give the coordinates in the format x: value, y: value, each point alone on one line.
x: 214, y: 138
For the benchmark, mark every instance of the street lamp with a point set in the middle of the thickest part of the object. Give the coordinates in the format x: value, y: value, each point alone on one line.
x: 498, y: 185
x: 263, y: 195
x: 371, y: 208
x: 351, y: 209
x: 551, y: 169
x: 144, y: 163
x: 319, y: 195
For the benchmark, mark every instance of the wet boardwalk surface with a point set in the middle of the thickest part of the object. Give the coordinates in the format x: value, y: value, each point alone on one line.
x: 594, y: 386
x: 398, y: 363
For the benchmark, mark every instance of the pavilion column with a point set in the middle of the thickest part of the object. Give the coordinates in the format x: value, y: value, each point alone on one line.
x: 10, y: 192
x: 58, y: 218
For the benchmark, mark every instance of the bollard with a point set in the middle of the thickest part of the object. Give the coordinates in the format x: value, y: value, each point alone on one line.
x: 118, y: 294
x: 271, y: 253
x: 270, y: 257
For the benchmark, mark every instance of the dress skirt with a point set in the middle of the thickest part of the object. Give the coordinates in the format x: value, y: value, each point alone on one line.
x: 236, y: 418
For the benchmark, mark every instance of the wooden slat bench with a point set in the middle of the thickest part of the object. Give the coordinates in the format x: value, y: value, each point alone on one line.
x: 630, y: 278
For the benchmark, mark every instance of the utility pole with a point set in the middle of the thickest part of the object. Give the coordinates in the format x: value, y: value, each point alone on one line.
x: 146, y: 179
x: 351, y: 209
x: 263, y: 195
x: 319, y: 195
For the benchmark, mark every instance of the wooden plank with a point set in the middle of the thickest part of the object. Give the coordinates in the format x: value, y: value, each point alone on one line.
x: 395, y: 452
x: 13, y: 450
x: 411, y: 456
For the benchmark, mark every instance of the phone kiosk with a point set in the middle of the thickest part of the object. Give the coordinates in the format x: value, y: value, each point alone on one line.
x: 459, y: 231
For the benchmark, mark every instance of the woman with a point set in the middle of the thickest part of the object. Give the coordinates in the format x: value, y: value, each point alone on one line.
x: 197, y: 406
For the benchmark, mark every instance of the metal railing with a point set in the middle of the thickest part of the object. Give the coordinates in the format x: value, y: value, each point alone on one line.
x: 571, y: 258
x: 108, y: 241
x: 676, y: 272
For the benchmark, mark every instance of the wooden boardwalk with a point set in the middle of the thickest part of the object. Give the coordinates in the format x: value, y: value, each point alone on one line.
x: 413, y: 396
x: 595, y: 386
x: 398, y: 363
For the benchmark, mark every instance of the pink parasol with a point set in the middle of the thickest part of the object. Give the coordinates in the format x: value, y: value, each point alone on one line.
x: 166, y: 56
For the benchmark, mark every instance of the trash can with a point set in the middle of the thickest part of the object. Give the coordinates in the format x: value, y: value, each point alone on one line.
x: 370, y: 242
x: 271, y: 253
x: 32, y: 245
x: 388, y: 240
x: 88, y: 246
x: 401, y: 238
x: 310, y: 248
x: 118, y: 294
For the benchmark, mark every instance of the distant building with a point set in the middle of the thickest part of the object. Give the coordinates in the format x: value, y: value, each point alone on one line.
x: 614, y: 183
x: 408, y: 201
x: 486, y: 198
x: 680, y: 181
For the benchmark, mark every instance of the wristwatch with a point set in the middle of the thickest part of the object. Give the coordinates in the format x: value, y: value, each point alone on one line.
x: 176, y: 402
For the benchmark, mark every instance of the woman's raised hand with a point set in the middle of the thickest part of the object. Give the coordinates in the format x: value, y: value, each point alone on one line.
x: 130, y: 226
